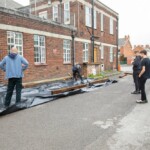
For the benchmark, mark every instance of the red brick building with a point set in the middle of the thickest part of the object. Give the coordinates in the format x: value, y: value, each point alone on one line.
x: 141, y: 47
x: 59, y: 37
x: 126, y: 51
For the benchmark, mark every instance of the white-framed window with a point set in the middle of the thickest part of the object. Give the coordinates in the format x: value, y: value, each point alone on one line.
x: 102, y: 52
x: 67, y: 13
x: 85, y: 52
x: 102, y: 22
x: 15, y: 39
x: 88, y: 16
x: 55, y: 13
x: 43, y: 14
x: 39, y: 49
x: 67, y: 51
x: 111, y: 26
x: 111, y: 54
x: 95, y: 19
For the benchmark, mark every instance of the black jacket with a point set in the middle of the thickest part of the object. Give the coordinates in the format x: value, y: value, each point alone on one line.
x: 137, y: 63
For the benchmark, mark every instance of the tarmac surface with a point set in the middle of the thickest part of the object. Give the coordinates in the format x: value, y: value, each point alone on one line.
x: 104, y: 119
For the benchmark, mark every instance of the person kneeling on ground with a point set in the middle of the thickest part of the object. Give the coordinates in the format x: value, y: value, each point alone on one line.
x: 77, y: 72
x: 14, y: 65
x: 144, y: 75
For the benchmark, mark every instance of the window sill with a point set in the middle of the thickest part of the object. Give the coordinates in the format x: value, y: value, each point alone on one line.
x: 91, y: 27
x: 94, y: 63
x: 85, y: 62
x: 67, y: 64
x: 40, y: 64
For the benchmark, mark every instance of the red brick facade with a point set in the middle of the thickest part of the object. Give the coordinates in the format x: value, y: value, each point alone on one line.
x: 55, y: 34
x: 126, y: 49
x: 141, y: 47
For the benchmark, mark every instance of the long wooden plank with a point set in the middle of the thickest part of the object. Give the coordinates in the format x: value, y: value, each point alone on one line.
x: 125, y: 74
x: 62, y: 90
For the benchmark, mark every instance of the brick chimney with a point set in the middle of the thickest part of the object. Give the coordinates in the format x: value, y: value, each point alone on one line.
x: 127, y: 37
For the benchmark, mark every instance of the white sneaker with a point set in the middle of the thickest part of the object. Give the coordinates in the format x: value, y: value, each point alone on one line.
x: 141, y: 101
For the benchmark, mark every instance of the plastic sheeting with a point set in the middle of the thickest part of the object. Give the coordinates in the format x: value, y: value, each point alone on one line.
x: 42, y: 94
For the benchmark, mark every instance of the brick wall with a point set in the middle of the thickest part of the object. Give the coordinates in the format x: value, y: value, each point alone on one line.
x: 54, y: 66
x: 78, y: 9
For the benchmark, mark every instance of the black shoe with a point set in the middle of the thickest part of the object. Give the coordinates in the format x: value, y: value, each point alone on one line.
x: 135, y: 92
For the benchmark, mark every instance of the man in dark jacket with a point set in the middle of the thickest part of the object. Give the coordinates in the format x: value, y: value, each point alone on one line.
x: 144, y: 75
x: 77, y: 72
x: 136, y: 70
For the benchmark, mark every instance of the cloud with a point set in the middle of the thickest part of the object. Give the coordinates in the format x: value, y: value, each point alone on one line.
x: 133, y: 19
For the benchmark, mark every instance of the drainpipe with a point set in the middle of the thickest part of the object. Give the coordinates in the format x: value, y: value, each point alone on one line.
x: 92, y: 36
x: 73, y: 47
x: 117, y: 35
x: 35, y: 7
x: 60, y: 11
x: 5, y: 3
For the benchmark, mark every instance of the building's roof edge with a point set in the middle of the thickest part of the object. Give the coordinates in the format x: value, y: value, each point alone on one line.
x: 105, y: 6
x: 23, y: 7
x: 30, y: 16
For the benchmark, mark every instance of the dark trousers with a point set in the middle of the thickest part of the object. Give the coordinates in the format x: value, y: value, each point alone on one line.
x: 12, y: 82
x: 136, y: 80
x: 77, y: 74
x: 142, y: 87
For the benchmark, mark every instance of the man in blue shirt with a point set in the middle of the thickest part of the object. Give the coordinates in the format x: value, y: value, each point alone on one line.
x: 14, y: 65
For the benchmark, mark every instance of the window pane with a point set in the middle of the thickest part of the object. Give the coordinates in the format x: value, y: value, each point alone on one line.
x: 67, y: 51
x: 15, y: 39
x: 39, y: 49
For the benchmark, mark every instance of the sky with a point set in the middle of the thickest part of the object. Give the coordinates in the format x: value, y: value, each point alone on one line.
x: 134, y: 18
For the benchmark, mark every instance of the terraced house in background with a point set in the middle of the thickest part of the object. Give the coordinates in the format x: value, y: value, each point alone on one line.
x: 58, y: 33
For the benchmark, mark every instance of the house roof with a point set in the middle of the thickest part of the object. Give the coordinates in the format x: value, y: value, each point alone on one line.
x: 121, y: 41
x: 9, y: 4
x: 25, y: 9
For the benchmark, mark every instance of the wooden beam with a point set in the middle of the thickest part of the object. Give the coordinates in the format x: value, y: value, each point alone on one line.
x: 125, y: 74
x: 66, y: 89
